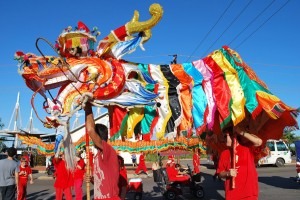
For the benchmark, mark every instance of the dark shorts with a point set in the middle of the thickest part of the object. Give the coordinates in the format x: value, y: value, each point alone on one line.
x: 8, y: 192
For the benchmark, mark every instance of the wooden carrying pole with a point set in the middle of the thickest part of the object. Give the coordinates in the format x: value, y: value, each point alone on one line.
x: 233, y: 161
x: 88, y: 167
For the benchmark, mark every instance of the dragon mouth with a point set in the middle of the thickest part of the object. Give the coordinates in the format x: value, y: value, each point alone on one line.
x: 59, y: 79
x: 56, y: 82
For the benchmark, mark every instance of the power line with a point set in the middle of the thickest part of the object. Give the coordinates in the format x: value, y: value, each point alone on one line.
x: 262, y: 24
x: 210, y: 30
x: 228, y: 26
x: 251, y: 22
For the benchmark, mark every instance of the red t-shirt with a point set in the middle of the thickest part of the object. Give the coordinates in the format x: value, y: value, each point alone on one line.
x: 79, y: 173
x: 142, y: 160
x: 106, y: 173
x: 246, y: 181
x: 24, y: 177
x: 64, y: 178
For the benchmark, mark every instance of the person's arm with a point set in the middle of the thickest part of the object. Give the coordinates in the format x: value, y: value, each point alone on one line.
x: 17, y: 178
x: 31, y: 179
x: 90, y: 126
x: 256, y: 141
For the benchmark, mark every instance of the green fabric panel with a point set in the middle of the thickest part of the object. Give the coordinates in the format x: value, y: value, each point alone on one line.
x: 246, y: 84
x: 149, y: 115
x: 122, y: 129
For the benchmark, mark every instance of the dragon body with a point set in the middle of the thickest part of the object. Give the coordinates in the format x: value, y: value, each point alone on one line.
x: 159, y: 100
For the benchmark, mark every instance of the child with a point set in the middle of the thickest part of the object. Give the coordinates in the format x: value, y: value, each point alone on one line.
x: 25, y: 172
x: 64, y: 178
x: 133, y: 158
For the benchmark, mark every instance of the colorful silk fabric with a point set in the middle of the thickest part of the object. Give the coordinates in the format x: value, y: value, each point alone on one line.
x: 202, y: 96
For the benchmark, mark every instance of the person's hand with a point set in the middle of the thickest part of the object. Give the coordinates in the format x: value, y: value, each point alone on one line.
x: 84, y: 100
x: 89, y: 179
x: 31, y: 181
x: 238, y: 130
x: 232, y: 172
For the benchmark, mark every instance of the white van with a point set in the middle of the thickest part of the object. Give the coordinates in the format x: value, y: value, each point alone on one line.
x: 279, y: 154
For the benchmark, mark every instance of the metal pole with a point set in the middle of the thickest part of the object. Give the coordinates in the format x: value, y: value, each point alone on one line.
x: 233, y: 161
x: 88, y: 167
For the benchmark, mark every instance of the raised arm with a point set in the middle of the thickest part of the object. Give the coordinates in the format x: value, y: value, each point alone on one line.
x: 90, y: 126
x: 256, y: 141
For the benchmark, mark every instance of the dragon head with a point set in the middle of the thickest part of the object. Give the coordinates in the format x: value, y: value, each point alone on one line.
x: 78, y: 69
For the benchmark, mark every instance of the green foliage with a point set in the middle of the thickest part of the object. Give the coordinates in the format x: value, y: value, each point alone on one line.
x: 2, y: 145
x: 290, y: 138
x: 153, y: 157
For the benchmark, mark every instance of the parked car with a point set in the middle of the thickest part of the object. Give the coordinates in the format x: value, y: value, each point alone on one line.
x: 279, y: 154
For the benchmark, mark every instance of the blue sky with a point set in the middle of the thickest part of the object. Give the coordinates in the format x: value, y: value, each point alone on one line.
x: 270, y: 44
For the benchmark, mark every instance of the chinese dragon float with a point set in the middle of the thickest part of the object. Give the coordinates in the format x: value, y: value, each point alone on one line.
x: 168, y: 101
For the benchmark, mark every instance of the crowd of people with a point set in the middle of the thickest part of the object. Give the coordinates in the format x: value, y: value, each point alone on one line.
x: 109, y: 175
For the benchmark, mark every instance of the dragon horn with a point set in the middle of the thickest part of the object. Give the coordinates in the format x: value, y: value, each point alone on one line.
x: 134, y: 26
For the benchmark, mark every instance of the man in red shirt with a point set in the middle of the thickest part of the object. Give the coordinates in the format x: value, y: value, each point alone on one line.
x: 106, y: 165
x: 141, y: 165
x: 196, y: 161
x: 246, y: 180
x: 174, y: 174
x: 78, y: 176
x: 25, y: 172
x: 63, y: 178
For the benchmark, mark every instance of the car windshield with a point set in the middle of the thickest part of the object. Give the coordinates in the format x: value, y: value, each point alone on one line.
x: 281, y: 146
x: 271, y: 146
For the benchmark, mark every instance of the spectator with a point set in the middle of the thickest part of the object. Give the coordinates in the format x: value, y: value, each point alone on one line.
x: 25, y: 172
x: 106, y: 165
x: 9, y: 175
x: 246, y: 180
x: 133, y: 158
x: 26, y: 156
x: 78, y: 176
x: 31, y: 158
x: 48, y: 161
x: 141, y: 165
x: 63, y: 178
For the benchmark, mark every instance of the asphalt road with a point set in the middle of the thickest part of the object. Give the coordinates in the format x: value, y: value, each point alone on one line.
x: 274, y: 183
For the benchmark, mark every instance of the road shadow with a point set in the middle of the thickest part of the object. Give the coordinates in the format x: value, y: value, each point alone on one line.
x: 211, y: 186
x: 35, y: 195
x: 208, y: 165
x: 280, y: 182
